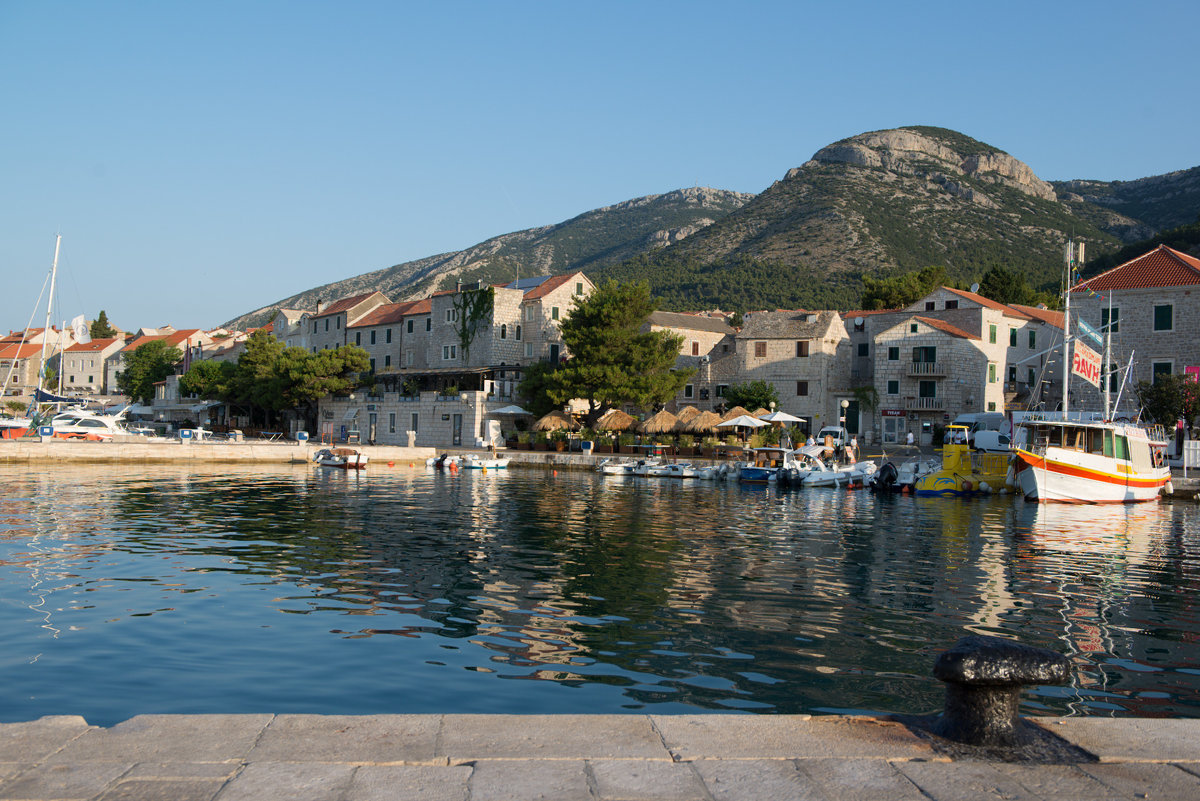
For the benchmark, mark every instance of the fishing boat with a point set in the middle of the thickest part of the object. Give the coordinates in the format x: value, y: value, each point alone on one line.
x: 342, y: 458
x: 1080, y: 461
x: 765, y: 465
x: 963, y: 472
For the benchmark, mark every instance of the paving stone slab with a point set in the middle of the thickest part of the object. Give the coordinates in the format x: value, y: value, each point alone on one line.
x: 167, y: 738
x: 164, y: 790
x: 534, y: 780
x: 409, y: 783
x: 1130, y: 739
x: 787, y: 737
x: 1137, y: 780
x: 183, y: 770
x: 646, y: 780
x: 860, y: 780
x: 959, y: 781
x: 348, y: 738
x: 62, y: 782
x: 758, y: 780
x: 469, y: 737
x: 1059, y: 782
x: 276, y: 781
x: 35, y: 740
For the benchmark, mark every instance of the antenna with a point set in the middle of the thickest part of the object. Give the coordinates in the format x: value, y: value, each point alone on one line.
x: 974, y: 288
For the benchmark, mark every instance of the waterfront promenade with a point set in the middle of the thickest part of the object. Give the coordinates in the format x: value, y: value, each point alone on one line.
x: 574, y: 757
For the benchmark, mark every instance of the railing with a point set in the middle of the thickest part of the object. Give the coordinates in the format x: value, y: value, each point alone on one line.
x: 925, y: 368
x: 924, y: 404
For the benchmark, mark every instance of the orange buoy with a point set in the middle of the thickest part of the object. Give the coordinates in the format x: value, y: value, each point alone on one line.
x: 391, y: 464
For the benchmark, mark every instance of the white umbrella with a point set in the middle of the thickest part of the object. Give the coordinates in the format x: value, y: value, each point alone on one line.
x: 509, y: 410
x: 745, y: 421
x: 780, y: 417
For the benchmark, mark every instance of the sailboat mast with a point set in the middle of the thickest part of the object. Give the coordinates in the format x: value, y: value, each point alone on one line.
x: 49, y: 305
x: 1107, y: 355
x: 1070, y: 258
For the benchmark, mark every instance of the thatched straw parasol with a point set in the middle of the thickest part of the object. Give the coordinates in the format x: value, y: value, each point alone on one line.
x: 616, y: 420
x: 687, y: 413
x: 759, y: 412
x: 554, y: 421
x: 703, y: 423
x: 736, y: 411
x: 661, y: 423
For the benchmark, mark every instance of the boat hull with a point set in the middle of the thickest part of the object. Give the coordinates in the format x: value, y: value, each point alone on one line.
x: 1045, y: 479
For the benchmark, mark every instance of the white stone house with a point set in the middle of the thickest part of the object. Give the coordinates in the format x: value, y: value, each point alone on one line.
x: 329, y: 326
x: 1153, y: 303
x: 287, y: 325
x: 83, y: 365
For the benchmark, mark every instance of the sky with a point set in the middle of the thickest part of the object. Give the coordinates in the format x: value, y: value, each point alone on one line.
x: 202, y: 160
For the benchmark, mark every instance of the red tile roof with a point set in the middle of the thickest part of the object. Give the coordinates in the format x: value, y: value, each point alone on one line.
x: 345, y: 304
x: 387, y: 313
x: 94, y: 345
x: 172, y: 339
x: 1048, y: 316
x: 13, y: 350
x: 942, y: 325
x: 420, y: 307
x: 1009, y: 311
x: 549, y: 285
x: 850, y: 315
x: 1162, y: 266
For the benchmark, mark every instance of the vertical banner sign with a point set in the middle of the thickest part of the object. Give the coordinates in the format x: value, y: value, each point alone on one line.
x: 1086, y: 364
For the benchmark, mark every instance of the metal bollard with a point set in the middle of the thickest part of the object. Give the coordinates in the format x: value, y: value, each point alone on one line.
x: 983, y: 677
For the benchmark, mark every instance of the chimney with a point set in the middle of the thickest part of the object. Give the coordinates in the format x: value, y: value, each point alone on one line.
x: 458, y: 285
x: 320, y: 305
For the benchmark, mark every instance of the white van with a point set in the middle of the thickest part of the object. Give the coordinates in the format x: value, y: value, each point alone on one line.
x: 984, y: 421
x: 990, y: 441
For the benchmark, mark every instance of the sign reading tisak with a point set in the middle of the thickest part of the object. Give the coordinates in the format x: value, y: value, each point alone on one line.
x: 1086, y: 363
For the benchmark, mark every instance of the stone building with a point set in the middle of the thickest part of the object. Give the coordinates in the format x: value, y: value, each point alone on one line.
x: 328, y: 327
x: 287, y: 325
x: 189, y: 341
x: 83, y: 365
x: 1153, y: 303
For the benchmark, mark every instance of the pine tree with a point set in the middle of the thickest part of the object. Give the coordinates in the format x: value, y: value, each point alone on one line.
x: 100, y: 329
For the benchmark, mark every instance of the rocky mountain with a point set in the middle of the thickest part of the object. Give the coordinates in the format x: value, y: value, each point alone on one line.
x: 590, y: 241
x: 878, y: 203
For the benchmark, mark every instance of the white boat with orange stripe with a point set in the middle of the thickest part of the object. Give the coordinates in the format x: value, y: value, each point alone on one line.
x: 1077, y: 461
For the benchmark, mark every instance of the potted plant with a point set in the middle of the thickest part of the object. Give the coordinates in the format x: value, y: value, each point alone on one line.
x: 708, y: 447
x: 524, y: 440
x: 687, y: 445
x: 558, y: 440
x: 540, y: 441
x: 626, y: 441
x: 604, y: 444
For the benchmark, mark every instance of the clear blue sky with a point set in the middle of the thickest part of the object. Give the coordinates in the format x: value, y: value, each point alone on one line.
x: 205, y: 159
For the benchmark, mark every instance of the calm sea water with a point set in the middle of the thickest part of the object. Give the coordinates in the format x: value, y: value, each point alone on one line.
x: 163, y: 589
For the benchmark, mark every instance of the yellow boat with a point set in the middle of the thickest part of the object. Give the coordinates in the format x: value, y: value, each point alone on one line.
x: 964, y: 472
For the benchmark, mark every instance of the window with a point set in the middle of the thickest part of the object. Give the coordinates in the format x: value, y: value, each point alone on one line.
x: 451, y: 315
x: 688, y: 390
x: 314, y: 326
x: 409, y: 328
x: 1111, y: 318
x: 721, y: 390
x: 1158, y: 369
x: 70, y: 379
x: 372, y: 365
x: 503, y: 331
x: 388, y: 336
x: 893, y: 387
x: 518, y: 333
x: 528, y: 314
x: 695, y: 348
x: 553, y: 312
x: 428, y: 323
x: 930, y: 305
x: 387, y: 360
x: 1163, y: 317
x: 927, y: 389
x: 413, y: 423
x: 91, y: 379
x: 409, y: 358
x: 338, y: 323
x: 760, y: 350
x: 992, y: 373
x: 358, y: 337
x: 864, y: 349
x: 529, y: 349
x: 1032, y: 377
x: 912, y: 328
x: 991, y: 406
x: 579, y: 288
x: 893, y: 354
x: 372, y: 337
x: 1012, y: 337
x: 952, y: 304
x: 449, y: 352
x: 801, y: 348
x: 326, y: 323
x: 1032, y: 339
x: 925, y: 354
x: 391, y: 422
x: 802, y: 388
x: 1012, y: 374
x: 991, y: 335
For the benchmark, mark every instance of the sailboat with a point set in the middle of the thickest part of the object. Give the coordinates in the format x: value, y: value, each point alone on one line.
x: 1085, y: 460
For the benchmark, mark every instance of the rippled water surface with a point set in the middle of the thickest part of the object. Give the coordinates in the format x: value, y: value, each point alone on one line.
x: 163, y: 589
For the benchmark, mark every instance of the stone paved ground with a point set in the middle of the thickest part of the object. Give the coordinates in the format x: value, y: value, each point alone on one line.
x: 569, y: 757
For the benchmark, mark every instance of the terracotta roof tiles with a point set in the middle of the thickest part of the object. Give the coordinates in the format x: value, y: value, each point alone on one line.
x: 1010, y: 311
x: 1161, y: 267
x: 945, y: 327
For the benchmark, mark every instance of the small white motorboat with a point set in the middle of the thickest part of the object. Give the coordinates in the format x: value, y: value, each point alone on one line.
x: 680, y: 470
x: 474, y: 462
x: 343, y: 458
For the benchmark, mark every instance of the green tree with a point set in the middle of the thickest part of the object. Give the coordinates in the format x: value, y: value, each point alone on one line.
x: 144, y: 367
x: 900, y: 290
x: 1006, y: 286
x: 100, y: 328
x: 533, y: 389
x: 1169, y: 399
x: 612, y: 361
x: 752, y: 395
x: 208, y: 379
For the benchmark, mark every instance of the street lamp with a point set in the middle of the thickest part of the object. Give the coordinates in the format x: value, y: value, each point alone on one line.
x: 845, y: 406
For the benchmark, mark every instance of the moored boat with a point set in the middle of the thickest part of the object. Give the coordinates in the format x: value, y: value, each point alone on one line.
x: 343, y: 458
x: 963, y: 472
x: 1077, y: 461
x: 766, y: 464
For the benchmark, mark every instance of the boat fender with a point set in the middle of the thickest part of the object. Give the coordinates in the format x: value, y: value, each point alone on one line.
x: 967, y: 486
x: 1008, y: 477
x: 985, y: 487
x: 1169, y: 488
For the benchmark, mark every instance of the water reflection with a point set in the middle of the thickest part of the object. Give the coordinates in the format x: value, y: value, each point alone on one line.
x: 399, y: 590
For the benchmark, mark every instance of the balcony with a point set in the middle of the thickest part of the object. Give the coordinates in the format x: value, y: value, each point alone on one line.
x: 924, y: 405
x: 925, y: 369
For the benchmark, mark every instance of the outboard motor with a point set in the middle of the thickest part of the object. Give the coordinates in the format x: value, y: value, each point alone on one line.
x: 885, y: 478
